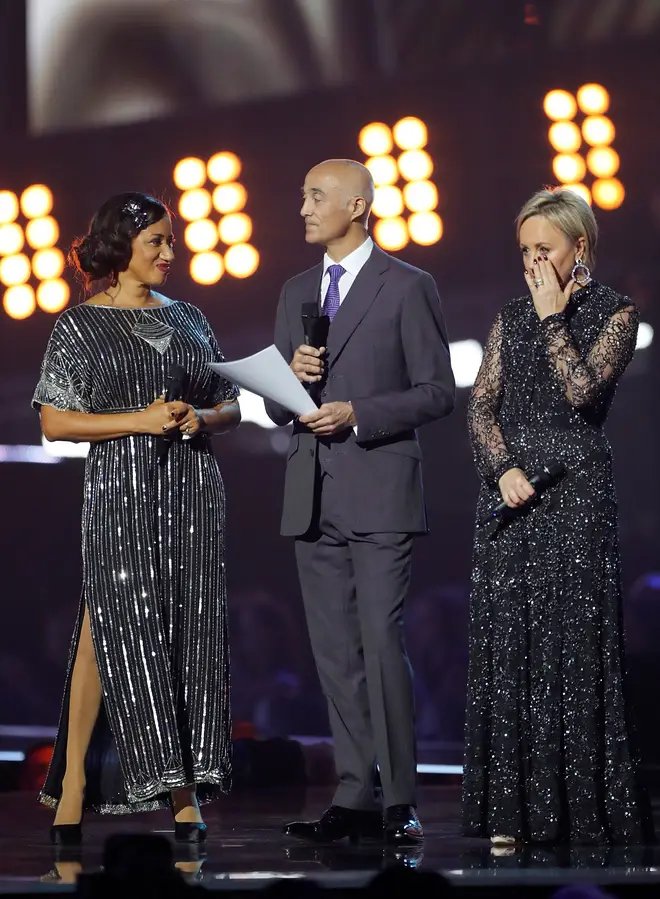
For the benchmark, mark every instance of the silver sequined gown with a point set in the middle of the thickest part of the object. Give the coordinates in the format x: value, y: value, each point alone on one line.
x: 153, y: 568
x: 548, y: 755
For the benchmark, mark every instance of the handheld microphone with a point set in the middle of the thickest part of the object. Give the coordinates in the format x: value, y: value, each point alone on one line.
x: 545, y: 477
x: 177, y: 381
x: 315, y: 326
x: 315, y: 330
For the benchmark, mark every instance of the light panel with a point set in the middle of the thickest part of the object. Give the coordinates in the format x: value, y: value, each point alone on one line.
x: 53, y: 295
x: 19, y: 301
x: 597, y: 130
x: 29, y: 256
x: 212, y: 187
x: 376, y: 139
x: 405, y: 198
x: 9, y: 207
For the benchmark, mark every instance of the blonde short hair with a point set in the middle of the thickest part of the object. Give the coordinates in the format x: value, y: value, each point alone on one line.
x: 568, y: 213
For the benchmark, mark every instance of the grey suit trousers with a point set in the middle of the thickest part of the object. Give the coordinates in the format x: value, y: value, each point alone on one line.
x: 353, y: 588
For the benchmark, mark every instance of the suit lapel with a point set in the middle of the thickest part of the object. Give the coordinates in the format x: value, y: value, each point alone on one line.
x: 357, y: 302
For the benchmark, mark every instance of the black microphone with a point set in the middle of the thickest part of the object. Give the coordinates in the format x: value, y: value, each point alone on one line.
x: 177, y: 381
x: 315, y: 330
x: 545, y: 477
x: 315, y: 326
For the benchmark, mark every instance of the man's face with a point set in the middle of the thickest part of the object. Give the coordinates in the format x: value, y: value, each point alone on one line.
x: 327, y: 208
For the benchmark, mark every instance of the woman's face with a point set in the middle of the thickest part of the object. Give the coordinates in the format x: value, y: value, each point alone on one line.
x: 153, y: 253
x: 539, y: 237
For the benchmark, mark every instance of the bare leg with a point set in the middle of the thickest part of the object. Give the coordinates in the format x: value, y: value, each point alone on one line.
x: 84, y: 705
x: 190, y: 868
x: 185, y: 806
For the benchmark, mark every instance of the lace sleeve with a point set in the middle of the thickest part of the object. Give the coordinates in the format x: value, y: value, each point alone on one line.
x: 491, y: 454
x: 584, y: 378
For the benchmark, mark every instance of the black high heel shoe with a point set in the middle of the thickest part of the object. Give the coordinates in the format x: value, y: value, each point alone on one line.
x: 189, y: 831
x: 66, y: 834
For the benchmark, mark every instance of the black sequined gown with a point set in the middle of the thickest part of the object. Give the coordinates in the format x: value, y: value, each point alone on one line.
x: 153, y: 560
x: 548, y: 754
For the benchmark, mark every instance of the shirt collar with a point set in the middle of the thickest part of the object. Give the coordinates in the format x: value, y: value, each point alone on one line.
x: 354, y: 261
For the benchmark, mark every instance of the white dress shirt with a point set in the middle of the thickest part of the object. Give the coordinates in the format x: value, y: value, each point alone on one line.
x: 352, y: 263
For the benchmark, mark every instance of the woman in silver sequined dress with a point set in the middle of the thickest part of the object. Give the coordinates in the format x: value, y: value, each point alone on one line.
x: 548, y: 753
x: 145, y: 720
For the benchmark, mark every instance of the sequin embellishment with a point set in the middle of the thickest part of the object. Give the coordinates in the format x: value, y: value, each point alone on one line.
x: 156, y: 332
x: 548, y: 754
x: 153, y: 574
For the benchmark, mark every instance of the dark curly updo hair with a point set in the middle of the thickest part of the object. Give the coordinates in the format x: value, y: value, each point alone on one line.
x: 107, y: 249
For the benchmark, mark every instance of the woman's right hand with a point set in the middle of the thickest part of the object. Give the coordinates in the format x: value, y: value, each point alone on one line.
x: 515, y: 488
x: 160, y: 417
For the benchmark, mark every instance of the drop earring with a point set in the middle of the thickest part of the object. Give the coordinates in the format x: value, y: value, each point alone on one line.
x: 581, y: 273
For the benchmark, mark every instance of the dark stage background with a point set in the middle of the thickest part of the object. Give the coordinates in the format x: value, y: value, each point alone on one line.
x: 476, y: 74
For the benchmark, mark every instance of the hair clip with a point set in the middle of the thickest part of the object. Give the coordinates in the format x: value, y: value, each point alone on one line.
x: 139, y: 216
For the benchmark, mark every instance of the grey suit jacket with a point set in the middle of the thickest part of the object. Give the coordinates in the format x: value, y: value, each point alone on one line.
x: 388, y: 354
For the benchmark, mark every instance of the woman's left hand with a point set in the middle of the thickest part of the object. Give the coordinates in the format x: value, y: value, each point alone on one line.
x: 187, y: 419
x: 544, y: 286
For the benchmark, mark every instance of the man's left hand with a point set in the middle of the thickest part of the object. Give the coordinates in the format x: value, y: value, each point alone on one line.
x: 330, y: 419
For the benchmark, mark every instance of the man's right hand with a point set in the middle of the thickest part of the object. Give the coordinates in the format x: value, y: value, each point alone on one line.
x: 307, y: 364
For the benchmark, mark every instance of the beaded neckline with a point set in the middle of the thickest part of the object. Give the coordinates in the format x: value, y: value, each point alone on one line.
x: 132, y: 308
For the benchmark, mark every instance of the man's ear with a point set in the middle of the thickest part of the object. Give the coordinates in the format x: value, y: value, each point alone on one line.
x: 359, y: 208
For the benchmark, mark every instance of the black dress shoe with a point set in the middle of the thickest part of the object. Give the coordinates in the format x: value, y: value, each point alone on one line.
x: 336, y: 824
x: 402, y: 826
x: 66, y: 834
x: 189, y: 831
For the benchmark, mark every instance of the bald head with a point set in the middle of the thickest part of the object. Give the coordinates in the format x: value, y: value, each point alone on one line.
x: 337, y: 199
x: 351, y: 177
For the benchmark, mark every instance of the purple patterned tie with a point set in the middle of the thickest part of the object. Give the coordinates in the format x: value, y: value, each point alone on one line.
x: 332, y: 299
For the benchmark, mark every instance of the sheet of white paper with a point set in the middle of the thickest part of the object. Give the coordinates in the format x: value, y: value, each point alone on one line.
x: 268, y: 375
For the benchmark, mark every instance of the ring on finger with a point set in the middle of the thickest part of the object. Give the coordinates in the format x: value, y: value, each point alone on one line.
x: 539, y: 282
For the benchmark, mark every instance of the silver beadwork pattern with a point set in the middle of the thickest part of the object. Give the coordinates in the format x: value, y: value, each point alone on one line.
x: 156, y: 332
x: 153, y: 541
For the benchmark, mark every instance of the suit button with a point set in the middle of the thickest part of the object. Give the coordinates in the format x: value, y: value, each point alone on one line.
x: 311, y: 451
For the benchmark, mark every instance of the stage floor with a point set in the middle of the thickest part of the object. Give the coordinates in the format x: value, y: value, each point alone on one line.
x: 246, y: 848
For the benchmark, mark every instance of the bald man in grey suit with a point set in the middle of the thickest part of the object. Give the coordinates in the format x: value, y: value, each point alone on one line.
x: 353, y: 497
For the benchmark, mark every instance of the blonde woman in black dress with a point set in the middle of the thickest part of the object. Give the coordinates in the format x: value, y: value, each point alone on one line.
x: 145, y: 720
x: 548, y: 754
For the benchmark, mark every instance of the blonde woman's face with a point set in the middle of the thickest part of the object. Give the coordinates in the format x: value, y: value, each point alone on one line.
x: 539, y: 237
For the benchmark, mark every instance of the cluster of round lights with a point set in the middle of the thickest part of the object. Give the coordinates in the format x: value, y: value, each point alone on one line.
x: 597, y: 131
x: 26, y: 224
x: 402, y: 183
x: 198, y: 203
